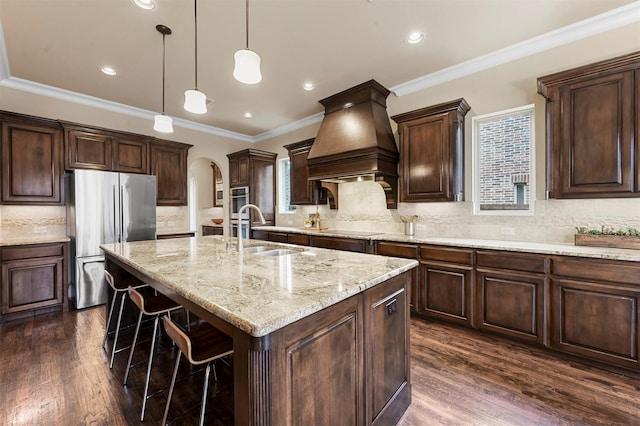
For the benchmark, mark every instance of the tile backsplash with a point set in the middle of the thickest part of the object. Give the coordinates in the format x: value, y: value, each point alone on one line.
x: 362, y: 207
x: 26, y: 220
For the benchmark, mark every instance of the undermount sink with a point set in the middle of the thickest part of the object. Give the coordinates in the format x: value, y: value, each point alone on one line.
x: 276, y: 252
x: 257, y: 249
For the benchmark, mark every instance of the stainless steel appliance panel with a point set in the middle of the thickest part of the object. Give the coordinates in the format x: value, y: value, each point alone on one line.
x: 90, y: 288
x: 138, y: 207
x: 238, y: 198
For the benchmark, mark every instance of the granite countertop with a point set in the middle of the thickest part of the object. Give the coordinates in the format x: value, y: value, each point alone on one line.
x: 257, y: 294
x: 516, y: 246
x: 20, y: 240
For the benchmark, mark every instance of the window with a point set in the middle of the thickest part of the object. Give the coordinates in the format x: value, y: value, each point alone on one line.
x: 284, y: 187
x: 503, y: 162
x: 193, y: 203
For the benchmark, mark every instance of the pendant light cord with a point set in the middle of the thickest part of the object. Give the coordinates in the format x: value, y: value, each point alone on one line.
x: 195, y: 26
x: 163, y: 70
x: 247, y: 23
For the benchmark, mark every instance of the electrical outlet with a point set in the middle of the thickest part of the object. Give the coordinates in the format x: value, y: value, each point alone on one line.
x: 507, y: 230
x: 420, y: 226
x: 39, y: 230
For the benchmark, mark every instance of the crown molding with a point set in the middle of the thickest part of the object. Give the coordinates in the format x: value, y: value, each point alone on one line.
x: 610, y: 20
x: 307, y: 121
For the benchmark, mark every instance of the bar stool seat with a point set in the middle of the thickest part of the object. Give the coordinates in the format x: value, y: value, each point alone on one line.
x: 203, y: 344
x: 120, y: 288
x: 154, y: 305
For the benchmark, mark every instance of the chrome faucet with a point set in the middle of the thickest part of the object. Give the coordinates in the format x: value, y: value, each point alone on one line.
x: 242, y: 209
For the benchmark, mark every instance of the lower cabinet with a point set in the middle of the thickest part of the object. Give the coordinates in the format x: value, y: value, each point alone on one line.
x: 212, y: 230
x: 33, y: 278
x: 445, y: 284
x: 594, y: 310
x: 176, y: 235
x: 510, y: 295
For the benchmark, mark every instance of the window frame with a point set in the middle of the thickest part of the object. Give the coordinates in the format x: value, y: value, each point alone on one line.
x: 284, y: 196
x: 475, y: 145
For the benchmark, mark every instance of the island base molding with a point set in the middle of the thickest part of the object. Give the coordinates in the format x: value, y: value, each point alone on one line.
x: 346, y: 364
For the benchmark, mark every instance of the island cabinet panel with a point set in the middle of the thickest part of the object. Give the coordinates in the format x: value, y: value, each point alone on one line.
x: 594, y: 310
x: 387, y: 345
x: 445, y: 284
x: 318, y: 367
x: 33, y: 280
x: 407, y: 251
x: 591, y: 115
x: 169, y: 165
x: 31, y: 160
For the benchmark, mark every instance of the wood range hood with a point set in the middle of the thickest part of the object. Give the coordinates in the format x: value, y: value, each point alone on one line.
x: 355, y: 141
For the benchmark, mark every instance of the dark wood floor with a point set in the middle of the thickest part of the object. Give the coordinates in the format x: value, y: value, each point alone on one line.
x: 54, y: 372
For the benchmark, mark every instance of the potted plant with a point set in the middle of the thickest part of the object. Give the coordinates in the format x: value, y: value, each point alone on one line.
x: 608, y: 237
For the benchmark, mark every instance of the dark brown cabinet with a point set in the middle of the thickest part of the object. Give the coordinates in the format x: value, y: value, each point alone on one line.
x: 594, y: 310
x: 407, y: 251
x: 176, y: 235
x: 218, y: 191
x: 101, y: 149
x: 169, y: 165
x: 445, y: 284
x: 33, y: 279
x: 432, y: 152
x: 256, y: 169
x: 31, y: 160
x: 341, y: 243
x: 303, y: 191
x: 592, y: 114
x: 212, y: 230
x: 509, y: 295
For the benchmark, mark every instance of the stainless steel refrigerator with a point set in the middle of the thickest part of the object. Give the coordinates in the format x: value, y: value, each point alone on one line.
x: 104, y: 207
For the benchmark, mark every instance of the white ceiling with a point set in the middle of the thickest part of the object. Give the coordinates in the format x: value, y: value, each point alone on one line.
x: 335, y: 44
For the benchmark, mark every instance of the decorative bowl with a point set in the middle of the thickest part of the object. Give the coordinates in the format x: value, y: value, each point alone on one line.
x: 217, y: 221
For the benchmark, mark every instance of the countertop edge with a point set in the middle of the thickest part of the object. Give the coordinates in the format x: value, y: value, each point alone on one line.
x: 24, y: 241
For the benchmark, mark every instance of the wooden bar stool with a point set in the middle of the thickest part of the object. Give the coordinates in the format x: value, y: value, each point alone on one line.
x: 154, y: 305
x: 120, y: 288
x: 202, y: 344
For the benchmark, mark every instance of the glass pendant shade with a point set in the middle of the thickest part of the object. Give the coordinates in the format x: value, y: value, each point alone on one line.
x: 195, y: 101
x: 162, y: 123
x: 247, y: 67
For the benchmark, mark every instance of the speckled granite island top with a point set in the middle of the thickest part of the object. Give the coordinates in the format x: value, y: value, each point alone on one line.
x: 257, y: 294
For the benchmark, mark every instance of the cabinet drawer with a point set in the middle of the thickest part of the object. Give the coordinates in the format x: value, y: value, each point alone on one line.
x: 512, y: 261
x: 278, y: 237
x: 259, y: 234
x: 346, y: 244
x: 408, y: 251
x: 300, y: 239
x: 442, y: 254
x: 596, y: 269
x: 32, y: 251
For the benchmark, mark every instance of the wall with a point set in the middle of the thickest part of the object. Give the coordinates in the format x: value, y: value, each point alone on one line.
x: 503, y: 87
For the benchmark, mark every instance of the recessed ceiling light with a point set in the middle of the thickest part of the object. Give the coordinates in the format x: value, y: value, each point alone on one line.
x: 247, y: 115
x: 309, y: 86
x: 108, y: 70
x: 415, y: 37
x: 145, y: 4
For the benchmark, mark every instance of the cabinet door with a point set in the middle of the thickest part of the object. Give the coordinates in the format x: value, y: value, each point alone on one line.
x: 511, y: 304
x: 407, y: 251
x: 130, y: 155
x: 338, y: 243
x: 597, y: 321
x: 445, y: 292
x: 594, y: 155
x: 29, y: 284
x: 302, y: 190
x: 169, y: 165
x: 31, y: 163
x: 262, y: 187
x: 87, y: 150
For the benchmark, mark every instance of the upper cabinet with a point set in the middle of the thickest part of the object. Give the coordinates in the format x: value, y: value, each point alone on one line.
x: 592, y: 114
x: 256, y: 169
x: 169, y: 165
x: 303, y: 190
x: 100, y: 149
x: 432, y: 152
x: 31, y: 160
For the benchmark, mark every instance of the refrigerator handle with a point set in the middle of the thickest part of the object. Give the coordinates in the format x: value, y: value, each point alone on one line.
x: 115, y: 216
x: 122, y: 236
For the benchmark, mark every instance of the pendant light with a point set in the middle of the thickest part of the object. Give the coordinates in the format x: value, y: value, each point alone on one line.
x: 194, y: 100
x: 247, y: 62
x: 161, y: 122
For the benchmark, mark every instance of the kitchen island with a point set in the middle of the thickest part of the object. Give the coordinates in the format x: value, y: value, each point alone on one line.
x: 320, y: 336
